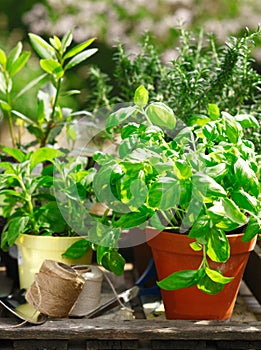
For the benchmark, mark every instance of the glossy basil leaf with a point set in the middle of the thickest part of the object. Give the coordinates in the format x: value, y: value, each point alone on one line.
x: 217, y: 171
x: 252, y: 229
x: 134, y: 219
x: 213, y: 111
x: 247, y: 121
x: 226, y: 207
x: 180, y: 279
x: 156, y: 222
x: 218, y: 248
x: 141, y: 96
x: 200, y: 229
x: 164, y: 194
x: 134, y: 191
x: 118, y: 117
x: 197, y: 247
x: 161, y: 115
x: 232, y: 129
x: 245, y: 200
x: 208, y: 186
x: 198, y: 119
x: 216, y: 276
x: 246, y: 177
x: 207, y: 285
x: 182, y: 169
x: 113, y: 261
x: 77, y: 249
x: 210, y: 131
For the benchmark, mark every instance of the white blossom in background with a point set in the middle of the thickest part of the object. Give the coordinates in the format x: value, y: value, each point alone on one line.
x: 127, y: 21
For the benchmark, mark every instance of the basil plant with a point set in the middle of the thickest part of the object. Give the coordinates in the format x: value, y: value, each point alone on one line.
x: 200, y: 179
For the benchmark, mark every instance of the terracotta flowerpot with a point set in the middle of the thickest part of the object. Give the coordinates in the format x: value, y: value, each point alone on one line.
x: 172, y: 253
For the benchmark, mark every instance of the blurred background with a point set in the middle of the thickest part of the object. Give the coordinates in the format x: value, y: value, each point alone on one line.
x: 114, y: 21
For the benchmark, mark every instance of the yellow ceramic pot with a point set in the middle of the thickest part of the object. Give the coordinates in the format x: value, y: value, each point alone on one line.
x: 33, y: 250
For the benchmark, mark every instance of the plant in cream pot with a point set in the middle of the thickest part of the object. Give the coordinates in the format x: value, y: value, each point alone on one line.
x: 195, y: 189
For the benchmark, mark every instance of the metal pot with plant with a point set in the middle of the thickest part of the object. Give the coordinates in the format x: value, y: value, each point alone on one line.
x: 197, y: 182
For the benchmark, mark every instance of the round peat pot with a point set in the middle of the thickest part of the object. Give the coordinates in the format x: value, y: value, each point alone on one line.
x: 172, y: 253
x: 33, y: 250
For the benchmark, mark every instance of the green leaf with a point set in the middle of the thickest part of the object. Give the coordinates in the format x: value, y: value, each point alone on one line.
x: 208, y: 186
x: 133, y: 219
x: 180, y: 279
x: 232, y: 128
x: 252, y: 229
x: 5, y: 106
x: 3, y: 58
x: 16, y: 227
x: 182, y: 170
x: 13, y: 55
x: 218, y: 248
x: 55, y: 42
x: 80, y: 58
x: 217, y: 172
x: 120, y: 116
x: 200, y: 229
x: 161, y: 115
x: 156, y: 223
x: 246, y: 177
x: 78, y: 48
x: 114, y: 262
x: 67, y: 40
x: 41, y: 47
x: 77, y: 249
x: 19, y: 63
x: 52, y: 67
x: 141, y: 96
x: 245, y: 200
x: 197, y: 247
x: 226, y: 207
x: 247, y: 121
x: 44, y: 154
x: 207, y: 285
x: 15, y: 153
x: 217, y: 276
x: 198, y: 119
x: 164, y: 194
x: 213, y: 111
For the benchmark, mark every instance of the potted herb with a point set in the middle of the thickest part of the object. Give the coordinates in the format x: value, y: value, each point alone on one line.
x: 39, y: 220
x: 28, y: 194
x: 195, y: 187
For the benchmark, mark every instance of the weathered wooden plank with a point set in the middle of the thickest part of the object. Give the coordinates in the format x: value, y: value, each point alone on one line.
x: 136, y: 329
x: 112, y: 344
x: 50, y: 344
x: 178, y: 344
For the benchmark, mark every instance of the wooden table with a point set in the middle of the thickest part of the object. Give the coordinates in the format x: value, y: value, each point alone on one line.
x: 123, y: 330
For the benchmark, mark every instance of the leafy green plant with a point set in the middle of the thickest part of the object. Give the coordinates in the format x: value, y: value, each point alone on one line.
x: 56, y: 59
x: 29, y: 193
x: 204, y: 72
x: 201, y: 179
